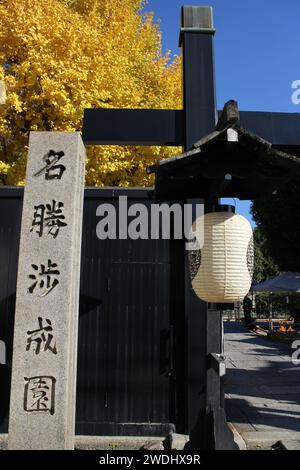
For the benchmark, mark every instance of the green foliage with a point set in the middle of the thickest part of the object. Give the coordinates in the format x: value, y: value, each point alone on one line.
x: 286, y: 338
x: 278, y: 220
x: 263, y: 301
x: 265, y: 266
x: 294, y: 306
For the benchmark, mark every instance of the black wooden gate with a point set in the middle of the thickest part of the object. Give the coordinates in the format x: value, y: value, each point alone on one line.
x: 131, y: 326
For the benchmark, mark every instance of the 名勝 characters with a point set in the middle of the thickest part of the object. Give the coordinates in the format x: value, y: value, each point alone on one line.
x: 52, y: 170
x: 49, y: 218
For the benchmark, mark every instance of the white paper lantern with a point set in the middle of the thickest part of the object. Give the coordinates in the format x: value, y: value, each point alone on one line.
x: 223, y: 268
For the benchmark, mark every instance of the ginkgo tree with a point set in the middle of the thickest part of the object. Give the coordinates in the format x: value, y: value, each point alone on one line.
x: 62, y: 56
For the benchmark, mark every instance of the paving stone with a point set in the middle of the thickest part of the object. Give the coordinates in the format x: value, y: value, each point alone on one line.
x: 262, y: 401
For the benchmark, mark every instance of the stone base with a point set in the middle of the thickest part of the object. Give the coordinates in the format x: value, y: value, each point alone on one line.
x: 177, y: 442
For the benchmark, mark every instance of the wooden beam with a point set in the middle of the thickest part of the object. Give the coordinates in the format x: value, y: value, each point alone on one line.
x: 166, y: 127
x: 133, y: 127
x: 198, y: 72
x: 281, y: 129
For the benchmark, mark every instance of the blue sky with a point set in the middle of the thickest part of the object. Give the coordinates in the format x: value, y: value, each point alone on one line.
x: 256, y: 51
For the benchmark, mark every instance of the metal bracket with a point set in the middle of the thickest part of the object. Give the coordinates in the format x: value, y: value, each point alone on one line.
x: 194, y: 30
x: 217, y: 362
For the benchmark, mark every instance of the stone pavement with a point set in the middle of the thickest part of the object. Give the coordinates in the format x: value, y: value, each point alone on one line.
x: 262, y: 388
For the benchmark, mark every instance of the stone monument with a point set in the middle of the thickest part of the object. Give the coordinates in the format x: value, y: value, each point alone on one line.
x: 43, y: 390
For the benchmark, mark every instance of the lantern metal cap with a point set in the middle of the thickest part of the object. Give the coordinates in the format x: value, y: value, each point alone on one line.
x: 224, y: 208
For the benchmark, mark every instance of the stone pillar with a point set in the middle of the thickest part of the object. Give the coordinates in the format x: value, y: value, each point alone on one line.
x: 43, y: 391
